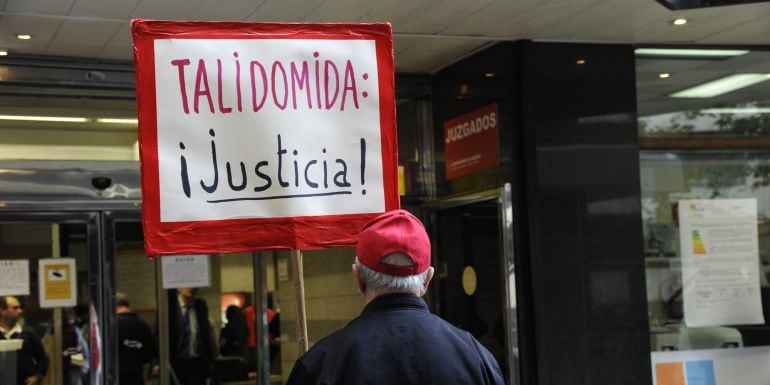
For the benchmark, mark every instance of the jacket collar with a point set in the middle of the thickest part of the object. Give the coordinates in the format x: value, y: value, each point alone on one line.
x: 395, y: 301
x: 8, y: 334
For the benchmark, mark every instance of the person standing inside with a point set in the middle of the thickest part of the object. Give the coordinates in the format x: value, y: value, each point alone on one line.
x: 396, y: 340
x: 31, y: 360
x: 191, y: 342
x: 136, y: 345
x: 233, y: 337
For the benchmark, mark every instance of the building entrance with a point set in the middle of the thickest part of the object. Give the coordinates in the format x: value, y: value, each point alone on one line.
x: 474, y: 286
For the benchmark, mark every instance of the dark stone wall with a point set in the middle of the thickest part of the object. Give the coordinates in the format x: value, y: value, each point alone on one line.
x: 569, y: 148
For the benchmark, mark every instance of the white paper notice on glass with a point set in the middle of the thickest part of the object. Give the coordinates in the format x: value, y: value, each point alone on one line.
x: 14, y: 277
x: 720, y: 262
x: 185, y: 271
x: 57, y: 282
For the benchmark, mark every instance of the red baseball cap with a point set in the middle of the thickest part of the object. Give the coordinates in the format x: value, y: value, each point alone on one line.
x: 392, y: 232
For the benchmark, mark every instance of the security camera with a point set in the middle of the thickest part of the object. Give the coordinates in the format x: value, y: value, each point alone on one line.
x: 101, y: 182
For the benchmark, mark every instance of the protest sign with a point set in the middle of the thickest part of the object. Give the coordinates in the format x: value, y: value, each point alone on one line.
x: 260, y: 136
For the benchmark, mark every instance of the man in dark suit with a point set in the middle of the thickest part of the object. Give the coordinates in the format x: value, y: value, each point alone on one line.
x: 31, y: 360
x: 190, y: 337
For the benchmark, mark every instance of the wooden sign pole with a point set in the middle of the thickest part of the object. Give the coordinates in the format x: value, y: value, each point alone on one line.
x: 299, y: 288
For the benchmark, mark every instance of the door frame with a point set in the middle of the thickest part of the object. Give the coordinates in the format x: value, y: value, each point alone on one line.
x: 92, y: 220
x: 502, y: 196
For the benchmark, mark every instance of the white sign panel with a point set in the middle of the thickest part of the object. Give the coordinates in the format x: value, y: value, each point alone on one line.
x: 185, y: 271
x: 14, y: 277
x: 259, y: 128
x: 57, y: 278
x: 720, y: 262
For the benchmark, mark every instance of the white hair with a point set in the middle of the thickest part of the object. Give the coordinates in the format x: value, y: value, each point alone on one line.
x: 376, y: 281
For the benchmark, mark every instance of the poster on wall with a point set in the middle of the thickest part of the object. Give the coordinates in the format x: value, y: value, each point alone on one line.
x: 14, y: 277
x: 720, y: 262
x: 471, y: 142
x: 745, y: 366
x: 57, y: 282
x: 185, y: 271
x: 262, y: 136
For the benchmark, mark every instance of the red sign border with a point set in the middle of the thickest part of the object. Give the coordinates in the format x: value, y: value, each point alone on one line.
x: 254, y: 234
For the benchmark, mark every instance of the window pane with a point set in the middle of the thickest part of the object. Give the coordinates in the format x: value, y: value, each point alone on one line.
x: 668, y: 177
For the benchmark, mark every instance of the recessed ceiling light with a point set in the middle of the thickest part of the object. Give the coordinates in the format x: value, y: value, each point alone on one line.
x: 679, y: 21
x: 664, y: 75
x: 489, y: 74
x: 118, y: 120
x: 3, y: 52
x: 23, y: 36
x: 580, y: 61
x: 721, y: 86
x: 44, y: 118
x: 689, y: 52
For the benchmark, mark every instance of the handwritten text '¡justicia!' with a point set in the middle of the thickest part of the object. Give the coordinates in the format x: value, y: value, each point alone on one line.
x: 318, y: 83
x: 331, y: 174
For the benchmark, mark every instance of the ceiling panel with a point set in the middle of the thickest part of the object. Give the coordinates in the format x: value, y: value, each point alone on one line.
x: 700, y: 26
x: 119, y: 47
x: 600, y: 22
x: 519, y: 22
x: 82, y: 37
x: 440, y: 53
x: 341, y: 10
x: 496, y: 19
x: 110, y: 9
x: 41, y: 29
x: 756, y: 31
x: 45, y: 7
x: 409, y: 16
x: 233, y: 10
x: 166, y: 9
x: 292, y: 10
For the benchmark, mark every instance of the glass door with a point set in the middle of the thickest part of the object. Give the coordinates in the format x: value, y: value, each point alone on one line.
x: 222, y: 337
x: 69, y: 331
x: 475, y: 285
x: 131, y: 281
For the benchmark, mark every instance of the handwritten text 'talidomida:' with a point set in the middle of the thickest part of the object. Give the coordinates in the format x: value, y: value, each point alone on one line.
x: 248, y: 86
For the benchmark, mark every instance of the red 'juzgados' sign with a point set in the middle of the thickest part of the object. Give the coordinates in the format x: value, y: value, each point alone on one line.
x: 260, y: 136
x: 471, y: 142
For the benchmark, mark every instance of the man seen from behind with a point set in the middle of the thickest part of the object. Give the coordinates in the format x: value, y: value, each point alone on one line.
x: 136, y: 346
x: 395, y: 340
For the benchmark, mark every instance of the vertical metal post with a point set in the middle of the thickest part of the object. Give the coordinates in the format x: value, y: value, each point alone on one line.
x: 299, y: 289
x: 260, y: 309
x: 58, y: 346
x: 163, y: 347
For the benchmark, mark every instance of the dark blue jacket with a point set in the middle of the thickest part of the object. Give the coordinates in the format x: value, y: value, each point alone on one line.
x: 31, y: 359
x: 396, y: 340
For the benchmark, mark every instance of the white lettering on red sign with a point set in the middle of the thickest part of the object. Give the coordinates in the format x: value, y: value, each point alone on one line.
x: 472, y: 127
